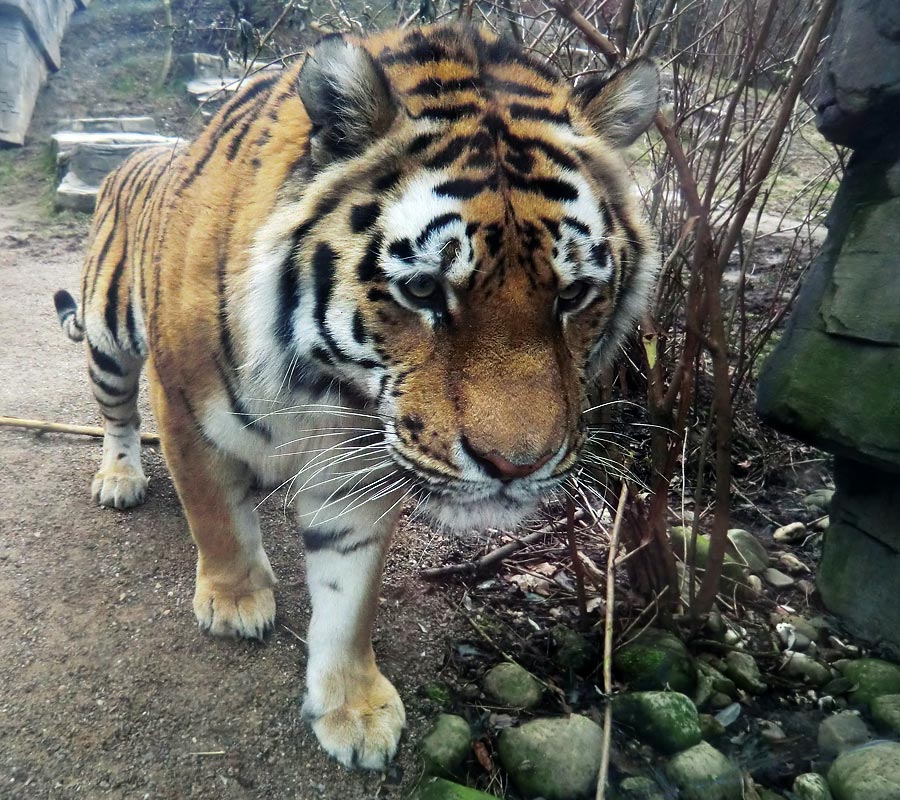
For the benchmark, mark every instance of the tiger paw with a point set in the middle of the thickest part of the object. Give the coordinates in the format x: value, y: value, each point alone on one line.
x: 365, y: 730
x: 243, y: 609
x: 122, y: 487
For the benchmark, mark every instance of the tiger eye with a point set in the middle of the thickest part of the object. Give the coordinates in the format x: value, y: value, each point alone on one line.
x: 422, y: 286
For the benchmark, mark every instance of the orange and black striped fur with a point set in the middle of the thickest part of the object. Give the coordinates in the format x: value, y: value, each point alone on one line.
x: 388, y: 272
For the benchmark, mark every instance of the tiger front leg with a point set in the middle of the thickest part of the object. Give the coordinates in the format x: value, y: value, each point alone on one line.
x: 354, y: 710
x: 234, y: 590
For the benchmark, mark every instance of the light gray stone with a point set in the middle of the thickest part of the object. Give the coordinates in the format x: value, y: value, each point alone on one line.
x: 512, y: 686
x: 777, y: 579
x: 110, y: 125
x: 867, y: 773
x: 793, y: 532
x: 667, y: 720
x: 30, y: 34
x: 811, y: 786
x: 807, y: 669
x: 885, y: 711
x: 748, y: 550
x: 819, y: 501
x: 744, y: 671
x: 703, y: 773
x: 842, y: 732
x: 446, y: 746
x: 557, y: 759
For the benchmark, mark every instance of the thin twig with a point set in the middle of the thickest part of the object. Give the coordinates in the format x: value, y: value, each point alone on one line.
x: 608, y: 641
x: 62, y: 427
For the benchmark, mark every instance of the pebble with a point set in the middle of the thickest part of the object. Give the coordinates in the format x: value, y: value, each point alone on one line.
x: 791, y: 563
x: 777, y: 578
x: 811, y: 786
x: 772, y: 732
x: 743, y: 670
x: 842, y: 732
x: 867, y: 773
x: 819, y: 501
x: 795, y: 532
x: 445, y: 748
x: 512, y: 686
x: 557, y: 759
x: 800, y: 665
x: 703, y: 773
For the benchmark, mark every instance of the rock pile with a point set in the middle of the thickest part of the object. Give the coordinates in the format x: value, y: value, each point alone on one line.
x: 87, y: 150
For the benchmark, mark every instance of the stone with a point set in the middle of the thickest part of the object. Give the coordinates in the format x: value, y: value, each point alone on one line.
x: 710, y: 727
x: 209, y: 79
x: 811, y: 786
x: 146, y: 125
x: 791, y: 638
x: 440, y: 789
x: 656, y: 659
x: 794, y: 532
x: 873, y: 678
x: 862, y: 548
x: 573, y: 651
x: 791, y: 563
x: 512, y: 686
x: 744, y: 671
x: 732, y: 571
x: 885, y: 711
x: 819, y: 501
x: 709, y: 682
x: 768, y: 794
x: 703, y: 773
x: 30, y: 35
x: 719, y: 700
x: 800, y: 665
x: 867, y: 773
x: 640, y: 788
x: 445, y: 747
x: 557, y: 759
x: 838, y: 686
x: 748, y: 551
x: 771, y: 732
x: 777, y: 578
x: 666, y: 720
x: 842, y: 732
x: 800, y: 625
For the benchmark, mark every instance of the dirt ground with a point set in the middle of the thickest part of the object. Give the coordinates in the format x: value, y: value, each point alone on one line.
x: 107, y: 688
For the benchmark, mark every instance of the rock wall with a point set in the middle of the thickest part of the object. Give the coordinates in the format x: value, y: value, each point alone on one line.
x: 30, y: 34
x: 834, y: 378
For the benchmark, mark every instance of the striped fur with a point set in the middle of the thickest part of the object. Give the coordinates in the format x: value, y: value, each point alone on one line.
x: 388, y: 272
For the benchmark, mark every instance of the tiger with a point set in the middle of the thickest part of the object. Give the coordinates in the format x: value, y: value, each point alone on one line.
x: 387, y: 273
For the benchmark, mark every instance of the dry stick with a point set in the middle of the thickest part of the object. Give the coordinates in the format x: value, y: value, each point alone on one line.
x: 61, y: 427
x: 577, y: 566
x: 608, y: 642
x: 493, y: 559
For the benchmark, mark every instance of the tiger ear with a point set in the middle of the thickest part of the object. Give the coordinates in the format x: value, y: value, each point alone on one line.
x: 347, y: 97
x: 621, y: 106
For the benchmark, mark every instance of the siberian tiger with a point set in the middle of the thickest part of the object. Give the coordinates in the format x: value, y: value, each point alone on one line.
x: 387, y: 272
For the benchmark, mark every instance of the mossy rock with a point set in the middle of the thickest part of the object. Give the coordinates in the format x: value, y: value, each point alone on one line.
x: 873, y: 678
x: 867, y: 773
x: 703, y: 773
x: 446, y: 746
x: 513, y: 686
x: 885, y: 712
x: 440, y: 789
x: 733, y: 573
x: 667, y: 720
x: 656, y: 659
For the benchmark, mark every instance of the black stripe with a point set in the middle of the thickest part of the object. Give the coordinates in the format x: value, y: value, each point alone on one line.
x: 101, y: 384
x: 448, y: 112
x: 435, y: 87
x: 402, y: 249
x: 367, y: 269
x: 104, y: 250
x: 521, y: 111
x: 436, y: 224
x: 131, y: 326
x: 551, y: 188
x: 577, y: 224
x: 359, y: 329
x: 552, y: 152
x: 448, y: 153
x: 551, y: 225
x: 253, y: 423
x: 111, y: 312
x: 461, y: 188
x: 315, y: 540
x: 503, y: 52
x: 600, y: 253
x: 106, y: 363
x: 129, y: 398
x: 386, y: 182
x: 420, y: 51
x: 363, y: 216
x: 522, y: 89
x: 420, y: 143
x: 235, y: 144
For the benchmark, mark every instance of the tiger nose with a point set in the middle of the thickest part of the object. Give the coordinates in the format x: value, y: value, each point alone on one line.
x: 501, y: 468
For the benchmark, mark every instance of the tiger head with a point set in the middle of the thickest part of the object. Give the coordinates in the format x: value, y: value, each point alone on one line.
x: 465, y: 254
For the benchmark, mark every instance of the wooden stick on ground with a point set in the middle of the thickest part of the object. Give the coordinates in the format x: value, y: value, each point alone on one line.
x: 62, y: 427
x: 608, y: 641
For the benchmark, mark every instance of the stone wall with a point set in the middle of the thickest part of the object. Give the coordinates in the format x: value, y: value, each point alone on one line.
x: 30, y: 35
x: 834, y: 378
